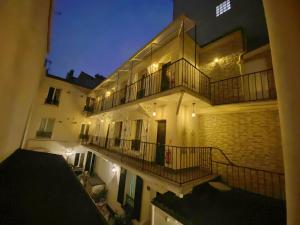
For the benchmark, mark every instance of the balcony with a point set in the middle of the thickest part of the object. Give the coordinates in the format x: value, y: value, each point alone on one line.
x: 183, y: 165
x: 256, y: 86
x: 178, y: 74
x: 88, y: 109
x: 51, y: 101
x: 176, y: 164
x: 43, y: 134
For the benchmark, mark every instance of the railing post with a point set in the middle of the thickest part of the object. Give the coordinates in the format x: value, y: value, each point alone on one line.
x: 180, y: 165
x: 211, y: 168
x: 143, y: 161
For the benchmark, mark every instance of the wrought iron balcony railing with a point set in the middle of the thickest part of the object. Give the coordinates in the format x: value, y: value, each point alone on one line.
x: 178, y: 74
x: 184, y: 164
x: 244, y: 88
x: 174, y: 163
x: 43, y: 134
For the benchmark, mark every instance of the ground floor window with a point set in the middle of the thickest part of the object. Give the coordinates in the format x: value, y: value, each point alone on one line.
x: 46, y: 128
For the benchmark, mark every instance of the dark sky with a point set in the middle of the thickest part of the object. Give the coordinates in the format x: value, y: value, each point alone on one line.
x: 96, y: 36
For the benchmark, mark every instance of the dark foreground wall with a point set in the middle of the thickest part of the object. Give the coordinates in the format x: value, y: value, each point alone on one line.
x: 40, y: 188
x: 244, y: 14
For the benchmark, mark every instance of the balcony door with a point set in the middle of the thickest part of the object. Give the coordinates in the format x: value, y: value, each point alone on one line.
x: 137, y: 129
x: 165, y: 79
x: 160, y: 142
x: 117, y: 133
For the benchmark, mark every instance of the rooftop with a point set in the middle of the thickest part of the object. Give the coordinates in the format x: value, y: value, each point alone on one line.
x: 207, y: 205
x: 84, y: 80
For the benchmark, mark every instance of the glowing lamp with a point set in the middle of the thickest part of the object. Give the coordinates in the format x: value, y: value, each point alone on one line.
x: 193, y: 113
x: 154, y: 110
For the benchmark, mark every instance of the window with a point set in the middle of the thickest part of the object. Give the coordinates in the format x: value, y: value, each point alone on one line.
x: 53, y: 96
x: 223, y: 7
x: 136, y: 142
x: 118, y: 133
x: 89, y: 105
x: 46, y: 128
x: 84, y: 131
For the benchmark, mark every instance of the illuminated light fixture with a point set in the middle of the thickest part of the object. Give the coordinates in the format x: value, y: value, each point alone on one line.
x: 216, y: 60
x: 168, y: 219
x: 107, y: 94
x: 114, y: 169
x: 102, y: 120
x: 193, y: 113
x: 113, y: 122
x: 154, y: 67
x: 69, y: 152
x: 154, y: 110
x: 89, y: 122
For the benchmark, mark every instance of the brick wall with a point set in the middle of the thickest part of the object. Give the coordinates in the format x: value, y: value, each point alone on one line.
x: 227, y: 50
x: 247, y: 138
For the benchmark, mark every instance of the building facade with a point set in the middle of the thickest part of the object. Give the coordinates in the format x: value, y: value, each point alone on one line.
x: 24, y: 48
x: 177, y: 114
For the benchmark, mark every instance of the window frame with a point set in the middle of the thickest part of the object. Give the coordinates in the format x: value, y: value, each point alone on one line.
x: 223, y: 7
x: 53, y: 100
x: 42, y: 131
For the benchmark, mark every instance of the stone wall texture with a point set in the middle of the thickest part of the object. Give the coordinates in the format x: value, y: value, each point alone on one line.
x: 248, y: 138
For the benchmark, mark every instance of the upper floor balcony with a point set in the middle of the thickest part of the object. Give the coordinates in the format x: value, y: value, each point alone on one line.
x: 173, y: 62
x: 182, y: 75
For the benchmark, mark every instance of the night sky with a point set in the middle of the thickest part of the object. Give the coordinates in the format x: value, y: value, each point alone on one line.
x: 97, y: 36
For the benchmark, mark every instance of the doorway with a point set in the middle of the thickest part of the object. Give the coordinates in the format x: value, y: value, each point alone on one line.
x: 118, y: 133
x: 165, y: 81
x: 160, y: 142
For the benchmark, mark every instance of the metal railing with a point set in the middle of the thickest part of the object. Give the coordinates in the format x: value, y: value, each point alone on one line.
x: 174, y: 163
x: 184, y: 164
x: 244, y: 88
x: 180, y: 73
x: 254, y: 180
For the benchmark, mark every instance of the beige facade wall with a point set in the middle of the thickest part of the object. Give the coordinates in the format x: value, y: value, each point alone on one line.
x: 103, y: 169
x: 68, y: 114
x: 24, y: 31
x: 228, y: 51
x: 160, y: 217
x: 257, y: 60
x: 248, y: 138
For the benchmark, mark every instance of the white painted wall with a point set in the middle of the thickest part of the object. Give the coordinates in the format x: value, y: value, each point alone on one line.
x: 68, y: 114
x: 24, y: 32
x: 160, y: 217
x: 103, y: 169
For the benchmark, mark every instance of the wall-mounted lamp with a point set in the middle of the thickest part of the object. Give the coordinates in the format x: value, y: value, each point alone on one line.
x: 68, y: 153
x: 102, y: 120
x: 216, y: 60
x: 107, y: 94
x: 154, y: 110
x: 114, y: 169
x: 154, y: 67
x: 193, y: 113
x: 113, y: 122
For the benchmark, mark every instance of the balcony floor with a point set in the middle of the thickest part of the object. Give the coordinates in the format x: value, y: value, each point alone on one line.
x: 181, y: 176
